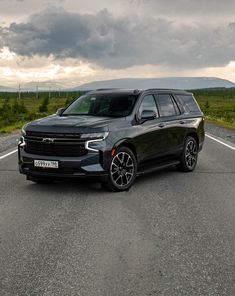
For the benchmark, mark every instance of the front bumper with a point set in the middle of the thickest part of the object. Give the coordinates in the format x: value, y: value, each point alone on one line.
x: 89, y: 165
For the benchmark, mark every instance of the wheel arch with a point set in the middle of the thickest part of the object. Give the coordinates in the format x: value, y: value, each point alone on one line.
x: 194, y: 135
x: 127, y: 143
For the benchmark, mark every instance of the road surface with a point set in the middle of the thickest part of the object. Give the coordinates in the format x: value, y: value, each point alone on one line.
x: 171, y: 234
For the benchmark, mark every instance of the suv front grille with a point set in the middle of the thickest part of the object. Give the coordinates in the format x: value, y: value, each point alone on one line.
x: 53, y: 135
x: 44, y: 144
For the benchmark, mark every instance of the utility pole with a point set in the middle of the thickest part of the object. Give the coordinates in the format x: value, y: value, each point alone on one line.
x: 19, y: 93
x: 37, y: 91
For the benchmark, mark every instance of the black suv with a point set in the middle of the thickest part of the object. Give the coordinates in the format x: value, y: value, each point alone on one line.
x: 115, y: 135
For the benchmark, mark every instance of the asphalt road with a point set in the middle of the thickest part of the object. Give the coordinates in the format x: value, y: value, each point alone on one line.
x: 171, y: 234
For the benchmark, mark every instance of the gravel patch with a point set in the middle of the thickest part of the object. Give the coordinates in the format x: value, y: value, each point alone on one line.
x: 223, y: 133
x: 9, y: 141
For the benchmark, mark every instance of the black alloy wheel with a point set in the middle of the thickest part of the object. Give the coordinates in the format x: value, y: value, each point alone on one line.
x: 189, y: 156
x: 122, y: 172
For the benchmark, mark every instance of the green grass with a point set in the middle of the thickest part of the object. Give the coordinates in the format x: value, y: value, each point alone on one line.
x: 14, y: 112
x: 10, y: 128
x: 218, y: 105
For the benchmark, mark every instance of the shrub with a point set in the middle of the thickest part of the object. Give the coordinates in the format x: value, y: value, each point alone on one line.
x: 207, y: 105
x: 44, y: 106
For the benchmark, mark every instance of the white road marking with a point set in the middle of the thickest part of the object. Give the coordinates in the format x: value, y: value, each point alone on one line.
x: 8, y: 154
x: 229, y: 146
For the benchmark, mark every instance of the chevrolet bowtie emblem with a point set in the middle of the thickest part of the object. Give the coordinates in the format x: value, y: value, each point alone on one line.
x: 48, y: 140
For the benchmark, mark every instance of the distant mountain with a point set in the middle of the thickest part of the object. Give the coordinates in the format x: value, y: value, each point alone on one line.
x: 32, y: 86
x: 6, y: 89
x: 170, y: 82
x: 132, y: 83
x: 42, y: 86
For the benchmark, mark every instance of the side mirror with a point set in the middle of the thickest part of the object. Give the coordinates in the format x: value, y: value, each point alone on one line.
x: 147, y: 115
x: 60, y: 111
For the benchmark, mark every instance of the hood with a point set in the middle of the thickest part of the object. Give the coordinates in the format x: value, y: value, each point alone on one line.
x: 71, y: 124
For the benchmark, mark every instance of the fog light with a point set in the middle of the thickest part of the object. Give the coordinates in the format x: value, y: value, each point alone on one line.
x: 22, y: 141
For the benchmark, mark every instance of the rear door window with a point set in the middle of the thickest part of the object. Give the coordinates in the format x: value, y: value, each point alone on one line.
x: 167, y: 105
x: 188, y: 102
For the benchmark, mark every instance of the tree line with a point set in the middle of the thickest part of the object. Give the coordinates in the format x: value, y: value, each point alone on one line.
x: 30, y: 106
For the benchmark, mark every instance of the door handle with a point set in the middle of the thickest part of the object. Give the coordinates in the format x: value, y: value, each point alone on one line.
x: 182, y: 122
x: 161, y: 125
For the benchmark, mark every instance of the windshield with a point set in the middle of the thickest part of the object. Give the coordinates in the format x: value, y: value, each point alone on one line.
x: 110, y: 105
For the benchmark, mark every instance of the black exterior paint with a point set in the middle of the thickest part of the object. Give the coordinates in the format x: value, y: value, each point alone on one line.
x: 160, y: 140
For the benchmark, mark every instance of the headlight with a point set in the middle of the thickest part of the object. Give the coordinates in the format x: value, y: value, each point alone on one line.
x: 95, y: 139
x: 21, y: 139
x: 91, y: 136
x: 23, y: 132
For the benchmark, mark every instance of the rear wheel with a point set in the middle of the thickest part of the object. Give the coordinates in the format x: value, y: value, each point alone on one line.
x: 188, y: 159
x: 122, y: 171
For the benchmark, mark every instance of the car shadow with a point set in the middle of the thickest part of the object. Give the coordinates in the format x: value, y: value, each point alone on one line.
x: 156, y: 175
x: 90, y: 186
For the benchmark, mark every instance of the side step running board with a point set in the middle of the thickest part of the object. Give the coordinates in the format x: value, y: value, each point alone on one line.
x: 156, y: 168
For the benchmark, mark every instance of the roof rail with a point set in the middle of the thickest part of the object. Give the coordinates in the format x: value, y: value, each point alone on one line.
x: 111, y: 88
x: 135, y: 91
x: 166, y: 89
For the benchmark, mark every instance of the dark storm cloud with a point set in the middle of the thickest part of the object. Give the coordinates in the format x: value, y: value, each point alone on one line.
x: 119, y: 42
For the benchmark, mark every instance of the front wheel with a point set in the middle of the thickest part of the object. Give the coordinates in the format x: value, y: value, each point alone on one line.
x: 188, y: 159
x: 122, y: 171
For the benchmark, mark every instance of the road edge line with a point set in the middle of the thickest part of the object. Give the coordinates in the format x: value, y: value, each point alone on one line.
x: 8, y: 154
x: 212, y: 138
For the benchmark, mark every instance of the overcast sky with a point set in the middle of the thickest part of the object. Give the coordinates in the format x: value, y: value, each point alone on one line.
x: 71, y: 42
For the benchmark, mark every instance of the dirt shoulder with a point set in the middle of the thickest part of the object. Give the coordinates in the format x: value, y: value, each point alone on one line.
x: 221, y: 132
x: 8, y: 141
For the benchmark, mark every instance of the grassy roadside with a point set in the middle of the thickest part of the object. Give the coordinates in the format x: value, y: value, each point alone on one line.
x: 11, y: 128
x: 221, y: 124
x: 15, y: 112
x: 218, y: 105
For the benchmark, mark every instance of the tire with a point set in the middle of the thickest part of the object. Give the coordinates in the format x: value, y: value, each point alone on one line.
x: 188, y: 159
x: 122, y: 170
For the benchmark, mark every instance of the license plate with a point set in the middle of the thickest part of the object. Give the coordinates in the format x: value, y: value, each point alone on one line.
x: 46, y: 164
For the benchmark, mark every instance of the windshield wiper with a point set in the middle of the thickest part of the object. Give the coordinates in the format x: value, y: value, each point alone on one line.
x: 75, y: 114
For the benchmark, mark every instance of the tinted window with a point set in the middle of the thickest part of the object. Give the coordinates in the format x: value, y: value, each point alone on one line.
x: 177, y: 110
x: 188, y: 103
x: 111, y: 105
x: 166, y: 105
x: 148, y: 103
